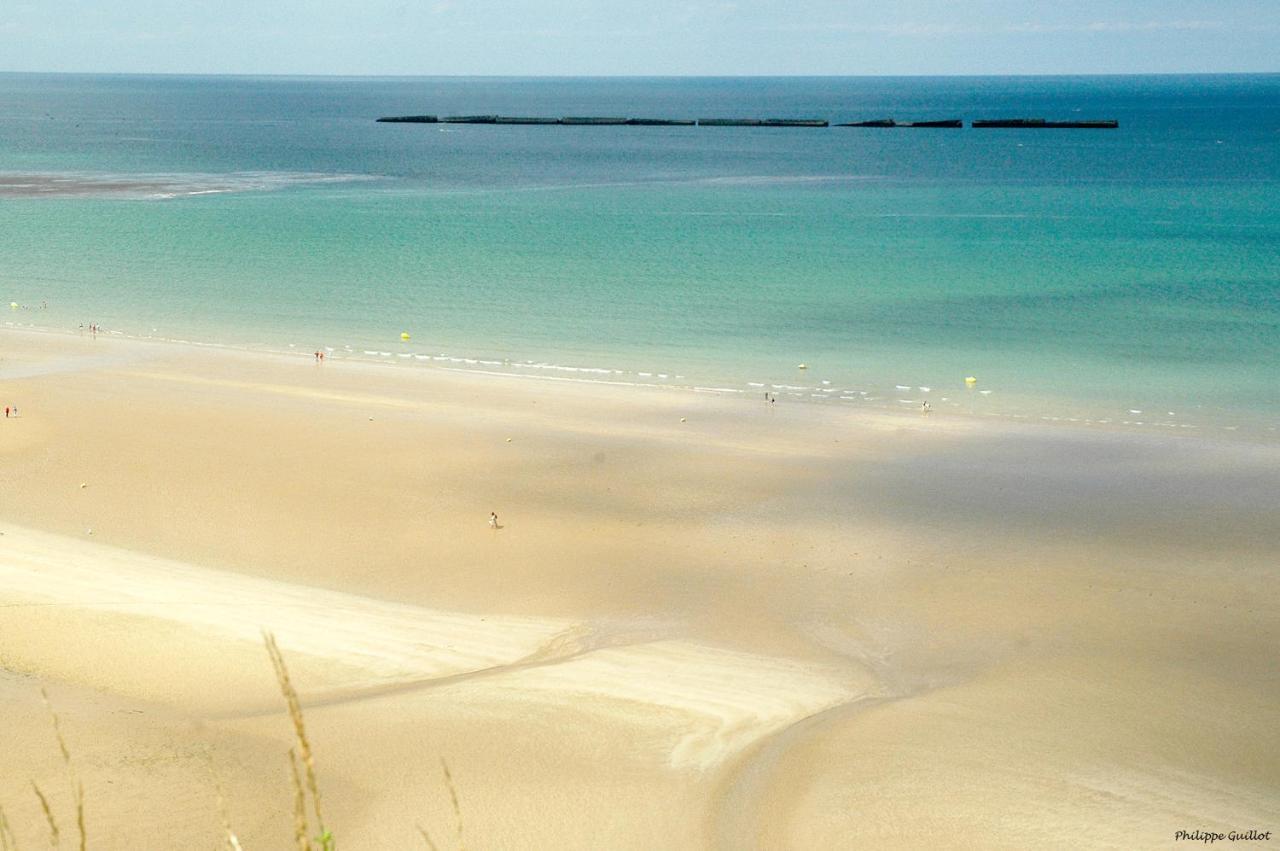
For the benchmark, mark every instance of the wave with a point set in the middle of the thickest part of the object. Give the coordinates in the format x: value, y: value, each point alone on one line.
x: 159, y: 186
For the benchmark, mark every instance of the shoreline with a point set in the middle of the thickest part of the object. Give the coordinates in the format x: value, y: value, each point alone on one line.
x: 1255, y: 427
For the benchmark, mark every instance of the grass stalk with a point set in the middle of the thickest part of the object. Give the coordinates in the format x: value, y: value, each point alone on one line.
x: 77, y: 788
x: 7, y: 840
x: 80, y: 814
x: 453, y: 798
x: 300, y: 830
x: 431, y: 846
x: 54, y: 838
x: 230, y: 841
x: 325, y: 838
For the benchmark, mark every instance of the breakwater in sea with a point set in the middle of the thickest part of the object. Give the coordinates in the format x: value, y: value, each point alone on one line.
x: 613, y: 121
x: 605, y: 121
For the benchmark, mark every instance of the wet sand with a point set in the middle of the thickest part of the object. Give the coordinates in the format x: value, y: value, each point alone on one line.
x: 704, y: 623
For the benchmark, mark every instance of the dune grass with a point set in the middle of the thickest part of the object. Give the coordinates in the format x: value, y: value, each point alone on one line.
x: 77, y: 788
x: 324, y: 838
x: 8, y: 842
x: 302, y: 770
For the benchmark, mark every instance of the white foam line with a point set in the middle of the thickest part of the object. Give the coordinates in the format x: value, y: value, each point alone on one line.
x: 530, y: 365
x: 554, y: 378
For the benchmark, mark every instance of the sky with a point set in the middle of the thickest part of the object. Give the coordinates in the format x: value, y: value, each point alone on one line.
x: 652, y: 37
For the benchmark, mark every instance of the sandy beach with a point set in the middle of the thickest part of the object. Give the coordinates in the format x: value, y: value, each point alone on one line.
x: 704, y: 621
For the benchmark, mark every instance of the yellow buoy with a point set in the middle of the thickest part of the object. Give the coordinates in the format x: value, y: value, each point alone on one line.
x: 13, y: 305
x: 404, y: 335
x: 970, y: 380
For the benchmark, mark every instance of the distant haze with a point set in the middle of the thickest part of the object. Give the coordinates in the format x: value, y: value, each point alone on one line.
x: 655, y: 37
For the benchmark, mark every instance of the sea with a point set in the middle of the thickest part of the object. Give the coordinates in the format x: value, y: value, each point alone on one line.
x: 1125, y: 278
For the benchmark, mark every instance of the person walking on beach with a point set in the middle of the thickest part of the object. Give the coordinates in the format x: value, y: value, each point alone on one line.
x: 493, y: 520
x: 6, y: 412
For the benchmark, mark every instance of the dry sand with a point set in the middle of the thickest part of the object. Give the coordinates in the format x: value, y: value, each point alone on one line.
x: 704, y: 623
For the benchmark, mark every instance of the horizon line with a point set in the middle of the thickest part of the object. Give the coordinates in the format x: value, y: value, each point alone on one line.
x: 285, y: 74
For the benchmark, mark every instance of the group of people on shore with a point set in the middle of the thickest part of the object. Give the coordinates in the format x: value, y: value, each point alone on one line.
x: 10, y: 411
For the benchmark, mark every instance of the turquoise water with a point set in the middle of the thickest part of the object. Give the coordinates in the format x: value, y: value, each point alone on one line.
x: 1077, y: 274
